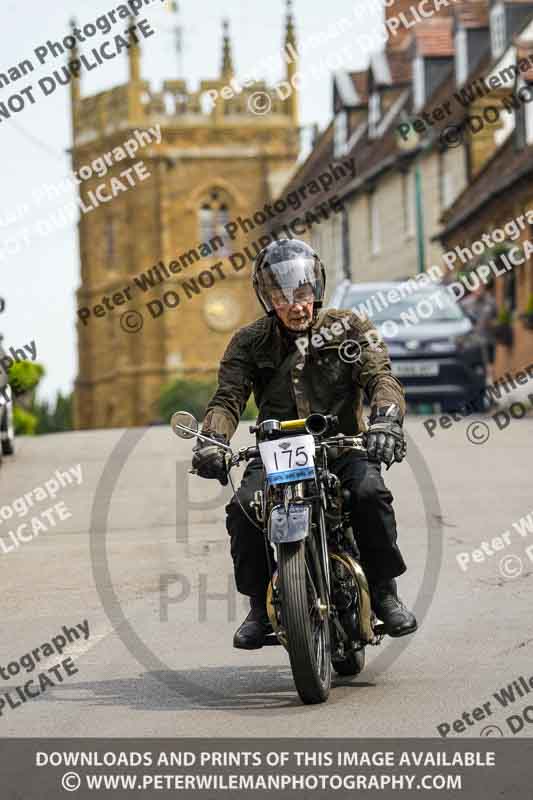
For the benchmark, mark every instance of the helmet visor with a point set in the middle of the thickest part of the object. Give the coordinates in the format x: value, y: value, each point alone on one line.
x: 289, y: 282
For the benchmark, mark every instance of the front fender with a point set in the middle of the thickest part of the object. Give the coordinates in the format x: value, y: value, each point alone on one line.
x: 291, y: 525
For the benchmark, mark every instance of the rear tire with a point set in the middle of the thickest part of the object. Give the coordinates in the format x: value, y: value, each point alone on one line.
x: 308, y: 644
x: 353, y: 664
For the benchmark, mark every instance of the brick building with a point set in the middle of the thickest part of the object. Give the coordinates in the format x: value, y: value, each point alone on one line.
x: 405, y: 119
x: 376, y: 238
x: 499, y: 195
x: 215, y: 162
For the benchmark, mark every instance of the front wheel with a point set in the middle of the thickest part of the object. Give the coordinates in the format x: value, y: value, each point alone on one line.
x: 306, y: 625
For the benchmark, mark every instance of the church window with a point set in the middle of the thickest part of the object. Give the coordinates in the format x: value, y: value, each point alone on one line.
x: 214, y: 215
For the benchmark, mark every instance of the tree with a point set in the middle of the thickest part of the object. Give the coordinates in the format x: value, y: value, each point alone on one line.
x: 193, y: 396
x: 57, y: 418
x: 24, y: 377
x: 30, y: 415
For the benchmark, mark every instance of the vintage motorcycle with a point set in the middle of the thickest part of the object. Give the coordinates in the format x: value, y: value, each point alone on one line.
x: 318, y: 599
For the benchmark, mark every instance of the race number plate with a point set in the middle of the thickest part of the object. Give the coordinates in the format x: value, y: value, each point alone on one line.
x: 290, y: 459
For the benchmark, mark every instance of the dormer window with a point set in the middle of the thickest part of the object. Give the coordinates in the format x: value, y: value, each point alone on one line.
x: 340, y: 133
x: 461, y: 57
x: 497, y: 29
x: 419, y: 82
x: 374, y: 112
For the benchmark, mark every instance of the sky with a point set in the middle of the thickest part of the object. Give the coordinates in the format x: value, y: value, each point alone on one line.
x: 39, y: 257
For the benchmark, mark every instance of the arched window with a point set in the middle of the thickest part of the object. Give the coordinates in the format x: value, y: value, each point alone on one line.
x: 214, y: 216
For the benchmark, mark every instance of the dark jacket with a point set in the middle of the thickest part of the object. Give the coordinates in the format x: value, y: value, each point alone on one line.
x: 319, y: 381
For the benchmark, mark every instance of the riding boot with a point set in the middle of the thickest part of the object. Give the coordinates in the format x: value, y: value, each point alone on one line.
x: 252, y: 632
x: 398, y: 620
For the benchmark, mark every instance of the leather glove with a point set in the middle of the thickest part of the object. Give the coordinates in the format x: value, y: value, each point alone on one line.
x: 209, y: 460
x: 385, y: 440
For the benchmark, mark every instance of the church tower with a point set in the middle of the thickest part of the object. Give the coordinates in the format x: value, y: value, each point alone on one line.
x: 177, y: 286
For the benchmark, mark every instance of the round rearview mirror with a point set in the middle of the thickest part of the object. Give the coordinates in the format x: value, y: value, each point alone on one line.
x: 184, y: 425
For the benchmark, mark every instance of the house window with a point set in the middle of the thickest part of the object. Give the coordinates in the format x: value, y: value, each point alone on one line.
x: 408, y: 202
x: 214, y: 215
x: 374, y: 112
x: 374, y: 224
x: 341, y: 133
x: 461, y: 56
x: 419, y: 82
x: 497, y: 29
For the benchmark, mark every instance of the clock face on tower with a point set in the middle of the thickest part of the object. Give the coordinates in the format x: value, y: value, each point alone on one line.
x: 222, y: 311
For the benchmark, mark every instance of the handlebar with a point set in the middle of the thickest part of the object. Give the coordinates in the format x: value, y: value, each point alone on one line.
x: 293, y: 425
x: 247, y: 453
x: 316, y: 424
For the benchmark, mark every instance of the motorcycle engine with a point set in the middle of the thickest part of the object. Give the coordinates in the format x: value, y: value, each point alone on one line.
x: 345, y: 597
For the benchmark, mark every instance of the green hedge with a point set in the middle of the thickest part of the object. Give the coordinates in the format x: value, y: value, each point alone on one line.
x: 25, y: 422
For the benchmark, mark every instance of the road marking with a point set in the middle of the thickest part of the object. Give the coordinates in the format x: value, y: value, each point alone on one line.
x: 83, y: 647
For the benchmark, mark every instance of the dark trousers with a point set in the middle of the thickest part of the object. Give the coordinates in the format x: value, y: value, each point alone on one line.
x: 373, y: 523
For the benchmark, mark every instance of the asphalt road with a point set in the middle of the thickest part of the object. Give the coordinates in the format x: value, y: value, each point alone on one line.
x: 158, y: 660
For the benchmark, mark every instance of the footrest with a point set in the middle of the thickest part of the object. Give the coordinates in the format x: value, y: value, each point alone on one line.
x: 271, y: 641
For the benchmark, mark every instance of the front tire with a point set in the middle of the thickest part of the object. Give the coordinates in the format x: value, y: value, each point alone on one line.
x: 307, y: 631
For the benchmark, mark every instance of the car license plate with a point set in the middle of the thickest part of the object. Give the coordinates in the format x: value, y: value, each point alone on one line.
x: 415, y: 369
x: 289, y: 459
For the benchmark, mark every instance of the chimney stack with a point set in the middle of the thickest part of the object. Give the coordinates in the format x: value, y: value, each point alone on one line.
x: 401, y: 17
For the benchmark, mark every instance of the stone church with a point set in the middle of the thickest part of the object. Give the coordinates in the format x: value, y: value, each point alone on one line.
x: 216, y: 162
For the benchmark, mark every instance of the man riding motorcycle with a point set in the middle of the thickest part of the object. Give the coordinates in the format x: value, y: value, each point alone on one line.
x: 295, y: 362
